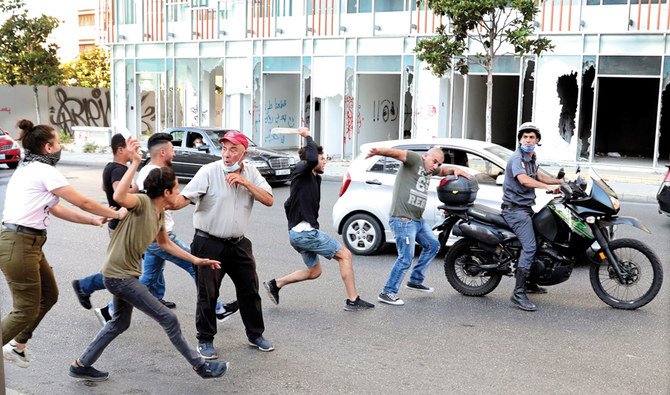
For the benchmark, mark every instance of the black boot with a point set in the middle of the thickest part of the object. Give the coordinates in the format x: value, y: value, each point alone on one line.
x: 533, y: 288
x: 519, y: 297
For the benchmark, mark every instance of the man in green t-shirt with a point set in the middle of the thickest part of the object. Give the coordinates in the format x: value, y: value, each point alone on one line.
x: 410, y: 193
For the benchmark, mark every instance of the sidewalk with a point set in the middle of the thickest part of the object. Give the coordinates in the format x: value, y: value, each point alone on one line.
x: 630, y: 183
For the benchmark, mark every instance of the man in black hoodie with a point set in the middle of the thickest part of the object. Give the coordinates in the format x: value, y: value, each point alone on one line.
x: 302, y: 212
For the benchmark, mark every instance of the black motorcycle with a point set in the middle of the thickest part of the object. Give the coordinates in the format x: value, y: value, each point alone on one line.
x: 575, y: 227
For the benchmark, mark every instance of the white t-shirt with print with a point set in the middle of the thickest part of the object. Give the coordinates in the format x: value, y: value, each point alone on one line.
x: 29, y: 197
x: 141, y: 176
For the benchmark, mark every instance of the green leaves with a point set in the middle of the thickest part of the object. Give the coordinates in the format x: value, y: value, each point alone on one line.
x: 25, y: 56
x: 91, y: 69
x: 489, y: 23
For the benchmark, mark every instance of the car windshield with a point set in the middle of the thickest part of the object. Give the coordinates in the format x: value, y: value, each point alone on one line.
x: 500, y: 152
x: 215, y: 135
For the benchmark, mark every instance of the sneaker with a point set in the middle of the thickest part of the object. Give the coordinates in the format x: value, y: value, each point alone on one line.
x: 207, y: 350
x: 169, y: 305
x: 273, y: 290
x: 26, y: 350
x: 103, y: 315
x: 230, y: 309
x: 84, y: 299
x: 210, y: 370
x: 261, y: 343
x: 419, y: 287
x: 390, y: 298
x: 358, y: 304
x: 19, y: 358
x: 87, y: 373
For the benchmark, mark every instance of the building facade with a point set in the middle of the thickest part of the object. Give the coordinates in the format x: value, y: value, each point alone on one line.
x: 80, y: 24
x: 347, y: 70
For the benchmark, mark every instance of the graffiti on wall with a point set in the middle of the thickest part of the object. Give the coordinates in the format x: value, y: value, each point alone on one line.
x: 276, y: 115
x: 384, y: 110
x: 427, y: 111
x: 349, y: 118
x: 148, y: 118
x: 70, y: 110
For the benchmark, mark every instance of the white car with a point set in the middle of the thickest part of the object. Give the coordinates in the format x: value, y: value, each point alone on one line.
x: 361, y: 213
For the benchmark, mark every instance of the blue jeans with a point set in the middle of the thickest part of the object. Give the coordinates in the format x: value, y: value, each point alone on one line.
x: 407, y: 233
x: 129, y: 293
x: 154, y: 263
x: 92, y: 283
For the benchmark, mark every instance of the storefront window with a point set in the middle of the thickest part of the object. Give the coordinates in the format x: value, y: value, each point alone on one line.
x: 211, y: 92
x: 186, y: 92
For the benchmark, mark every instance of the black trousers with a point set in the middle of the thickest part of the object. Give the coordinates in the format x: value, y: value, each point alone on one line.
x: 238, y: 262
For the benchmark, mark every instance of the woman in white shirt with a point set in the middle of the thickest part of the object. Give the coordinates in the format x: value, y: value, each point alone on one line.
x: 33, y: 193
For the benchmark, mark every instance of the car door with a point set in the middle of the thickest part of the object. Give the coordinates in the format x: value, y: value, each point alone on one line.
x: 378, y: 179
x: 195, y: 157
x: 180, y: 161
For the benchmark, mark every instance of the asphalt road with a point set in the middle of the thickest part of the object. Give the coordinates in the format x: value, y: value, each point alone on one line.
x: 437, y: 343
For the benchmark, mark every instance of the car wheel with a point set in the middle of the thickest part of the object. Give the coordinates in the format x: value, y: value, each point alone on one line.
x: 13, y: 165
x: 363, y: 234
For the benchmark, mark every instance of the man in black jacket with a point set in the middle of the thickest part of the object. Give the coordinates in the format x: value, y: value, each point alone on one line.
x: 302, y: 212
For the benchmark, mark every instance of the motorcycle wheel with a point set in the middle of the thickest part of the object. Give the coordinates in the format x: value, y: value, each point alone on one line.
x: 461, y: 266
x: 645, y: 276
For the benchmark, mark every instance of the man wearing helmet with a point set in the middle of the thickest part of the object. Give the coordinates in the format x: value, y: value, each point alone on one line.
x: 521, y: 179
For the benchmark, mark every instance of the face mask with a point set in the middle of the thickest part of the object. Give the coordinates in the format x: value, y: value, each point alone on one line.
x: 528, y: 149
x: 54, y: 157
x: 231, y: 169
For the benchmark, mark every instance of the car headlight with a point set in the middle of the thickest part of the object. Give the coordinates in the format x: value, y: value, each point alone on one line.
x: 15, y: 145
x: 291, y: 161
x: 257, y: 163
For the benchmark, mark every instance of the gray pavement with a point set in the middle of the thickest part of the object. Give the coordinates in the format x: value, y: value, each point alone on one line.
x: 631, y: 183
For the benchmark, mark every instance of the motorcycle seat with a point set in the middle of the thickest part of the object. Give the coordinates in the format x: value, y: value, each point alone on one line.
x: 487, y: 214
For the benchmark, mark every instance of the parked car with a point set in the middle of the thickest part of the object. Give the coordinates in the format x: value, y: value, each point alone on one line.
x: 360, y: 215
x: 10, y: 151
x: 197, y: 146
x: 663, y: 195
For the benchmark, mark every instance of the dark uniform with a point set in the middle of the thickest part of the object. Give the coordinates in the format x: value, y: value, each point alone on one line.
x: 518, y: 202
x: 517, y: 209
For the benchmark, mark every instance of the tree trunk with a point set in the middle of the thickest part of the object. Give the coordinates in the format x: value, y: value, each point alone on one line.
x: 37, y: 105
x: 489, y: 99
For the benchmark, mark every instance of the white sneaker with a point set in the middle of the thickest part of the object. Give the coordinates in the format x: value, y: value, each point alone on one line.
x: 13, y: 355
x: 390, y: 298
x: 103, y: 315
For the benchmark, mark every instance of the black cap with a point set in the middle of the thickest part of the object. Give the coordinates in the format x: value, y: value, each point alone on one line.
x: 158, y: 138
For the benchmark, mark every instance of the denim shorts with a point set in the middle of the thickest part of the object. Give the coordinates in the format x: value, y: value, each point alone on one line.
x: 311, y: 243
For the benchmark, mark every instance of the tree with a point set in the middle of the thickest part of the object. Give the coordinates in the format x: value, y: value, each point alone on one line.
x: 25, y: 56
x: 89, y: 70
x: 481, y: 30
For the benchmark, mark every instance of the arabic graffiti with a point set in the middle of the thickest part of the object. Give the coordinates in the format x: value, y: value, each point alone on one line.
x: 384, y: 110
x: 72, y: 111
x: 276, y: 115
x: 6, y: 109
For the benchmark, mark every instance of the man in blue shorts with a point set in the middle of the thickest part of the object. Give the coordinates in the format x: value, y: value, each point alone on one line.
x: 302, y: 212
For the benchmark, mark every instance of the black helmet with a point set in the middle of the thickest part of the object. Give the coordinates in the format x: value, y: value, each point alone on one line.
x: 528, y: 127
